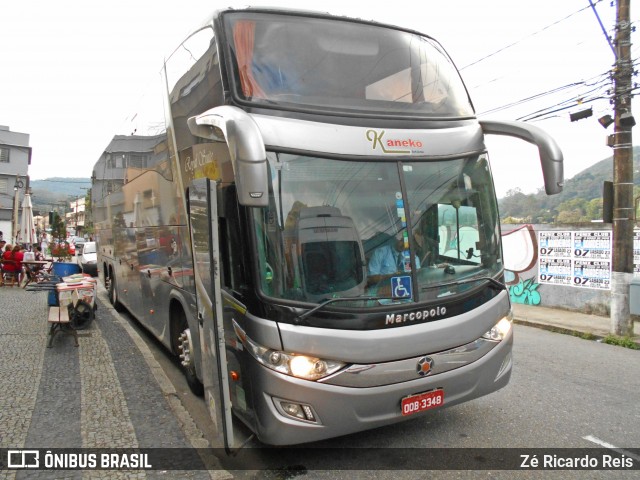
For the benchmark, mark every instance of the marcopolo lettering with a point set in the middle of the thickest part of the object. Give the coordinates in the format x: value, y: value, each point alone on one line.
x: 394, y: 318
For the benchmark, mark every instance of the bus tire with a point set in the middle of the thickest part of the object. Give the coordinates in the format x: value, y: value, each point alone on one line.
x: 183, y: 348
x: 113, y: 293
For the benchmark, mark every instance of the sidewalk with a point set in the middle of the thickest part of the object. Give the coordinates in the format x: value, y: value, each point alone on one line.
x: 109, y: 392
x: 565, y: 321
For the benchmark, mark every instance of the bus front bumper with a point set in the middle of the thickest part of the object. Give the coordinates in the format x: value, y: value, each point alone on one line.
x: 339, y: 410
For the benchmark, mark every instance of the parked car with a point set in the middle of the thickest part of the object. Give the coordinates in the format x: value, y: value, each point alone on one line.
x: 88, y: 259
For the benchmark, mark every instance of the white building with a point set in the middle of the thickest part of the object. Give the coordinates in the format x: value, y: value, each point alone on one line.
x: 75, y: 219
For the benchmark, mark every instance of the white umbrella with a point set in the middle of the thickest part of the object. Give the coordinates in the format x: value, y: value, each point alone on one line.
x: 139, y: 219
x: 27, y: 232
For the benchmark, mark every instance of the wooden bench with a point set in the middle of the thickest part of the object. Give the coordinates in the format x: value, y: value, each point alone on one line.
x: 59, y: 321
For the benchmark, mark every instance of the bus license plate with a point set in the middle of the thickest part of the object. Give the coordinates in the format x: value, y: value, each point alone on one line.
x: 424, y: 401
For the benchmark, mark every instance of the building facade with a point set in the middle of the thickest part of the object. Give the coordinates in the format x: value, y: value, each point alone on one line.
x: 75, y: 219
x: 125, y: 158
x: 15, y: 158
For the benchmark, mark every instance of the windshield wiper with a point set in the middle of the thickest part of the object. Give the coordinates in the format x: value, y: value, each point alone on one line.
x: 492, y: 281
x: 320, y: 306
x: 495, y: 283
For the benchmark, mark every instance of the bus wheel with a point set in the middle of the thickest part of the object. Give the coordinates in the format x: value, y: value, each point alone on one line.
x: 113, y: 292
x: 183, y: 346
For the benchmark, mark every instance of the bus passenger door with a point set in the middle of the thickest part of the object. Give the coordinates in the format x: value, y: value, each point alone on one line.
x: 203, y: 220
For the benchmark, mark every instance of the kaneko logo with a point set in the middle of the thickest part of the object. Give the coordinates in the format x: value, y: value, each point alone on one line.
x: 393, y: 146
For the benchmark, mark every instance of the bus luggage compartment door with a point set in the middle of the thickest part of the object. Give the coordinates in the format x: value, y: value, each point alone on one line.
x: 203, y: 221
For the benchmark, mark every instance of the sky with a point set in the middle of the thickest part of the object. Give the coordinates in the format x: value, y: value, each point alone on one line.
x: 70, y: 71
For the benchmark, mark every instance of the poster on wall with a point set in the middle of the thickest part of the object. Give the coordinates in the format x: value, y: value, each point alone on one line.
x: 554, y: 244
x: 576, y: 258
x: 592, y: 274
x: 636, y: 252
x: 592, y: 245
x: 555, y: 271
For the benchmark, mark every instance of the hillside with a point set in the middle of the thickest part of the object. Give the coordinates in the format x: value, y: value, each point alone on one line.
x: 580, y: 200
x: 51, y: 192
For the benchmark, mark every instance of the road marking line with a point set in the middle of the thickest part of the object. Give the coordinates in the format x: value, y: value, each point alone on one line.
x: 604, y: 444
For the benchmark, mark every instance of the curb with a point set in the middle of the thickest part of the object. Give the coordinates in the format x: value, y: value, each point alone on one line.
x: 585, y: 335
x: 558, y: 329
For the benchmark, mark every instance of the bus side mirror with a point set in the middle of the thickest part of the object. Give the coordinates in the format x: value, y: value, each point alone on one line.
x: 246, y: 148
x: 550, y: 154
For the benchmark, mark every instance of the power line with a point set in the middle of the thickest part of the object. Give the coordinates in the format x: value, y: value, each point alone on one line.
x: 528, y: 36
x: 546, y: 113
x: 583, y: 98
x: 530, y: 98
x: 597, y: 81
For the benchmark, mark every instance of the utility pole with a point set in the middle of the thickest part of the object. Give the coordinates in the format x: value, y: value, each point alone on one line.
x: 623, y: 205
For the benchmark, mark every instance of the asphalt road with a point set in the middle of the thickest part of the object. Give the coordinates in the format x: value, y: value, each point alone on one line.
x: 565, y: 392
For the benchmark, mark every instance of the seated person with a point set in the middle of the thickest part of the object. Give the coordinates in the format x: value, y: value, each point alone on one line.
x: 32, y: 270
x: 11, y: 266
x: 387, y: 259
x: 39, y: 256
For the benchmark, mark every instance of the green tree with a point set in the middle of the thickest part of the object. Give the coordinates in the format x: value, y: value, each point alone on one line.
x: 58, y: 229
x: 594, y: 209
x: 88, y: 214
x: 519, y: 207
x: 572, y: 211
x: 569, y: 216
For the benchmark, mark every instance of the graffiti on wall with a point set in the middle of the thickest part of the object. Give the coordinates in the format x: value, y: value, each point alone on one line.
x: 520, y: 250
x: 525, y: 292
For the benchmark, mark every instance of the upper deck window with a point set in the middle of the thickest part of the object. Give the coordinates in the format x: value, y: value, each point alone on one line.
x: 330, y: 64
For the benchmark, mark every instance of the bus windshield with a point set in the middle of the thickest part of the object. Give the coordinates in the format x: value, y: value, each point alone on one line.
x: 393, y: 230
x: 340, y: 65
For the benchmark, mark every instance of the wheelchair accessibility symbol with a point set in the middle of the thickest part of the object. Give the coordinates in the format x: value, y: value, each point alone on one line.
x: 401, y: 287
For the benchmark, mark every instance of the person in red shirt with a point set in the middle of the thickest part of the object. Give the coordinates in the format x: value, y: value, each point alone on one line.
x: 10, y: 267
x: 18, y: 256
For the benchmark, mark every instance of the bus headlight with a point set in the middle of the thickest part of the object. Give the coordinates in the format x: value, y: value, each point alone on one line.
x: 500, y: 329
x: 296, y: 365
x: 301, y: 366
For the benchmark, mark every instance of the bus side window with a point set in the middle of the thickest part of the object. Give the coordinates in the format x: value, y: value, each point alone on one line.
x: 231, y: 245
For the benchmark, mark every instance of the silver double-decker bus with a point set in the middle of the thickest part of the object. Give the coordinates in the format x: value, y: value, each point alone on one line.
x: 302, y: 209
